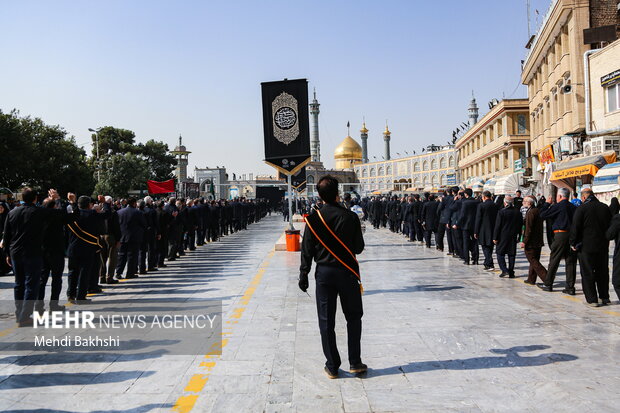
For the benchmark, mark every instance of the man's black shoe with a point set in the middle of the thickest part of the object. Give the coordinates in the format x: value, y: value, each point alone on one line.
x: 545, y: 288
x: 605, y: 301
x: 96, y: 290
x: 25, y: 323
x: 152, y: 269
x: 162, y: 266
x: 503, y: 274
x: 358, y: 368
x: 569, y: 291
x: 54, y: 306
x: 130, y: 276
x: 529, y: 282
x: 511, y: 276
x: 331, y: 374
x: 111, y: 281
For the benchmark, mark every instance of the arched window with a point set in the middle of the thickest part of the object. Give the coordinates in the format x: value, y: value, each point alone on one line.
x: 381, y: 171
x: 434, y: 181
x: 310, y: 179
x: 416, y: 167
x: 451, y: 161
x: 521, y: 125
x: 373, y: 172
x: 433, y: 164
x: 425, y: 181
x: 416, y: 182
x: 389, y: 170
x: 442, y: 162
x: 364, y: 173
x: 425, y: 166
x: 444, y: 180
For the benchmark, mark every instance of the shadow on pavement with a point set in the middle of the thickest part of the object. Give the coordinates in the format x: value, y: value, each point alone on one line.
x: 145, y: 408
x: 511, y: 358
x: 25, y: 381
x: 415, y: 288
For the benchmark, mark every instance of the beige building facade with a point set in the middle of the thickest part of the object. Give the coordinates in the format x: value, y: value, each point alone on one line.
x: 431, y: 170
x: 490, y: 147
x: 603, y: 79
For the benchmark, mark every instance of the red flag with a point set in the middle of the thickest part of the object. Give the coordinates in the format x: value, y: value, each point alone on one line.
x: 163, y: 187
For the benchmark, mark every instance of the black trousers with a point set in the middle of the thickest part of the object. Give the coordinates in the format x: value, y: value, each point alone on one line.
x: 470, y: 246
x: 80, y: 271
x: 615, y: 277
x: 457, y: 239
x: 127, y: 255
x: 27, y: 270
x: 54, y: 264
x: 594, y: 268
x: 560, y: 249
x: 427, y: 237
x: 487, y: 250
x: 332, y: 282
x: 441, y: 231
x: 419, y: 231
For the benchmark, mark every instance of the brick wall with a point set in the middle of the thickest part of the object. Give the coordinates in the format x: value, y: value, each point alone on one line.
x: 604, y: 13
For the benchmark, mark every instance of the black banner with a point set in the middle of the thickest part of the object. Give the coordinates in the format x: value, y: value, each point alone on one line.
x: 298, y: 181
x: 286, y: 124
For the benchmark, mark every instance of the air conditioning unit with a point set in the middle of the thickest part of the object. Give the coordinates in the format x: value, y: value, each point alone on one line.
x: 604, y: 143
x: 587, y: 149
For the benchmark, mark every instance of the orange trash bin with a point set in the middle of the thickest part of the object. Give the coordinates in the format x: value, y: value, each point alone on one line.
x: 293, y: 240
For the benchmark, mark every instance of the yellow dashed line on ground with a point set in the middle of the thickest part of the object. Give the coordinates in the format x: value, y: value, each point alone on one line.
x: 197, y: 382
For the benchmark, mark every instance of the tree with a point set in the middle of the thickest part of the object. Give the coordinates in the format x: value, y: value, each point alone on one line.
x: 122, y: 173
x: 41, y: 156
x: 160, y: 162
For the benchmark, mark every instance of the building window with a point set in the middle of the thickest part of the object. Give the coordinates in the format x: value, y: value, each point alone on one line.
x: 433, y: 164
x: 425, y: 166
x: 364, y: 173
x: 381, y: 171
x: 373, y: 172
x: 451, y: 162
x: 444, y: 180
x: 521, y: 125
x: 442, y: 163
x: 434, y: 181
x: 416, y: 167
x: 389, y: 170
x: 613, y: 98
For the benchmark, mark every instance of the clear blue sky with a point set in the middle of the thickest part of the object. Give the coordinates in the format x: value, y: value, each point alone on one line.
x: 164, y: 68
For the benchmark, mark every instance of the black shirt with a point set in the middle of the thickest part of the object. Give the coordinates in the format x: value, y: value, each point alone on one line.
x: 561, y: 214
x: 345, y: 224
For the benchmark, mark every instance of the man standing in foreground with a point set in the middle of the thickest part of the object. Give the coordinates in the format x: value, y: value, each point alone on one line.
x: 333, y: 236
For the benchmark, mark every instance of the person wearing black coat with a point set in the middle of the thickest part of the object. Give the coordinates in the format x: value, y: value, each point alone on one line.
x: 506, y: 233
x: 613, y: 233
x: 486, y: 215
x: 147, y: 257
x: 194, y: 223
x: 4, y: 213
x: 467, y: 220
x: 588, y: 238
x: 403, y: 224
x: 133, y: 226
x: 163, y: 220
x: 417, y: 218
x: 444, y: 222
x: 457, y: 235
x: 84, y: 245
x: 430, y: 218
x: 614, y: 206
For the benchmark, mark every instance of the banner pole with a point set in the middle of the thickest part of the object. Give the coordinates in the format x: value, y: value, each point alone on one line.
x: 290, y: 203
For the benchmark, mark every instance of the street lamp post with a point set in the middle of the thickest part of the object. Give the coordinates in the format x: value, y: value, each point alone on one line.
x: 96, y: 132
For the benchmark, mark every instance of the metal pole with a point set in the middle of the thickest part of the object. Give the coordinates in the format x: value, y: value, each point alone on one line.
x: 98, y: 163
x: 290, y: 203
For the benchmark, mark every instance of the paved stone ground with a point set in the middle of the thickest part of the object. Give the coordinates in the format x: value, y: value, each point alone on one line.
x: 438, y: 336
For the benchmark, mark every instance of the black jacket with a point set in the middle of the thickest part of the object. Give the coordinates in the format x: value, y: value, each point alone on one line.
x: 561, y: 214
x: 430, y: 216
x: 507, y: 230
x: 85, y: 231
x: 444, y: 209
x: 467, y: 216
x: 590, y: 224
x: 133, y: 224
x: 345, y: 224
x: 486, y: 214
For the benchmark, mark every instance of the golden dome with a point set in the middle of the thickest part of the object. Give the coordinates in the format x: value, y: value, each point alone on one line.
x: 387, y: 131
x: 364, y: 130
x: 348, y: 149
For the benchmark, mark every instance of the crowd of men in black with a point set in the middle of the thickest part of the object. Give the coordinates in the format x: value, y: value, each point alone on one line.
x: 470, y: 223
x: 105, y: 240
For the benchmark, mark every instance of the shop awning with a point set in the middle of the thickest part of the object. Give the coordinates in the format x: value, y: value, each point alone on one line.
x: 413, y: 189
x: 606, y: 179
x: 490, y: 185
x: 585, y: 167
x: 508, y: 184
